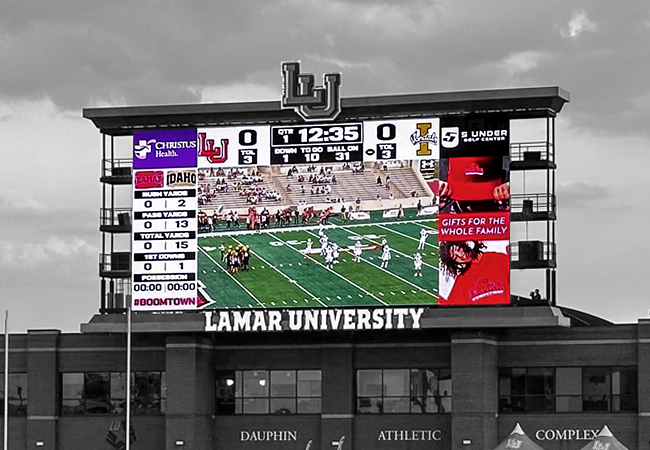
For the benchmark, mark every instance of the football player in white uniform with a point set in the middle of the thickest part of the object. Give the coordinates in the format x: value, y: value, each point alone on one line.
x: 324, y: 241
x: 417, y: 265
x: 423, y: 238
x: 329, y: 256
x: 357, y: 251
x: 307, y: 249
x: 385, y: 256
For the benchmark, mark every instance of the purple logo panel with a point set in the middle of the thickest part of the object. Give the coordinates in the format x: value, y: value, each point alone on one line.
x: 164, y: 149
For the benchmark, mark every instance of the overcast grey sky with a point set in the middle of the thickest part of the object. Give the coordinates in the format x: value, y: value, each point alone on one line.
x: 59, y: 57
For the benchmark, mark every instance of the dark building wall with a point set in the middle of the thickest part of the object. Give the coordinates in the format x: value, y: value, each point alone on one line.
x: 571, y: 347
x: 190, y: 361
x: 267, y: 432
x: 576, y: 347
x: 475, y: 398
x: 43, y: 396
x: 190, y: 392
x: 408, y: 432
x: 97, y: 352
x: 571, y: 431
x: 92, y: 432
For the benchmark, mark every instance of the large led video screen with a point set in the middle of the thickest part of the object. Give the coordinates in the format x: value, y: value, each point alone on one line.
x: 391, y: 213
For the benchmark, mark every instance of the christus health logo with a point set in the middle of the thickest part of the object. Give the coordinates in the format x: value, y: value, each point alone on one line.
x: 143, y: 148
x: 164, y: 149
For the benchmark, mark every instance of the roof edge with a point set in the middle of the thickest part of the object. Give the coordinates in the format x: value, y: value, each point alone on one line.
x: 556, y: 96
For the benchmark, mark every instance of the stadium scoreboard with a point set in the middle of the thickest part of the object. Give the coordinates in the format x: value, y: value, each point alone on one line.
x: 321, y: 223
x: 469, y: 154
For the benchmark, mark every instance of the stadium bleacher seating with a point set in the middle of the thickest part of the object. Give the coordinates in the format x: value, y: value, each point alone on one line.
x: 349, y: 186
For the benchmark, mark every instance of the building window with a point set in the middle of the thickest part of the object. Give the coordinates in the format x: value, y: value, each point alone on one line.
x: 385, y: 391
x: 568, y: 389
x: 625, y: 389
x: 149, y: 389
x: 526, y: 390
x: 268, y: 392
x: 17, y: 397
x: 105, y: 393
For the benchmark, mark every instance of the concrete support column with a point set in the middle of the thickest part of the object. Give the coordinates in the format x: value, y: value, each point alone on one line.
x: 190, y: 393
x: 474, y: 368
x: 338, y: 398
x: 43, y: 390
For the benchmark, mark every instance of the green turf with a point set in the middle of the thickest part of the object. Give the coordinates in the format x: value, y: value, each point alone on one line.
x: 280, y: 276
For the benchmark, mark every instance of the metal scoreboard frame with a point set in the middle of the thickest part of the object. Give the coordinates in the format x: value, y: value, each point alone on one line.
x: 316, y: 109
x: 168, y: 198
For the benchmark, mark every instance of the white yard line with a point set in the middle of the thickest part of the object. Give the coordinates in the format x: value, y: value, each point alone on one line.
x: 337, y: 274
x: 407, y: 236
x: 396, y: 251
x: 435, y: 230
x: 394, y: 275
x: 272, y: 230
x: 285, y: 276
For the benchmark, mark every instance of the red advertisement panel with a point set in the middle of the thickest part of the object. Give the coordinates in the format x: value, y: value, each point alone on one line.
x: 474, y: 227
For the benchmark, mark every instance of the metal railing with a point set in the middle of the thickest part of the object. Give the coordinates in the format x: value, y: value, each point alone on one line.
x: 533, y: 251
x: 533, y: 203
x: 118, y: 263
x: 118, y: 217
x: 122, y: 167
x: 531, y: 151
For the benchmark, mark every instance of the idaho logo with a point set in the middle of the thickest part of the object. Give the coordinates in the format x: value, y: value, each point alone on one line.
x: 177, y: 178
x: 423, y: 137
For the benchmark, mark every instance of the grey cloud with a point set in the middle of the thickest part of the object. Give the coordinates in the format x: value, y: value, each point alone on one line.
x: 82, y: 54
x: 580, y: 195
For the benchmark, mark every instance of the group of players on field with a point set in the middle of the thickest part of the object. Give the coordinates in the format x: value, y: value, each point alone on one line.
x: 330, y: 251
x: 238, y: 257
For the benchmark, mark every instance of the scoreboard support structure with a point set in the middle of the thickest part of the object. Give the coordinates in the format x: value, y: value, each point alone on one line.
x: 287, y: 140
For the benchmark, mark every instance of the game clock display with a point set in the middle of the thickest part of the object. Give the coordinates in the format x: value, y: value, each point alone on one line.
x: 316, y: 143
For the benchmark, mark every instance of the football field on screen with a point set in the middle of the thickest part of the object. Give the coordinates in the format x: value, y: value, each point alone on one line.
x: 283, y: 275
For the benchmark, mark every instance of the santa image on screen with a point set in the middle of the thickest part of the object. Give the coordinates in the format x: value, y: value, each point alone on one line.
x: 474, y: 273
